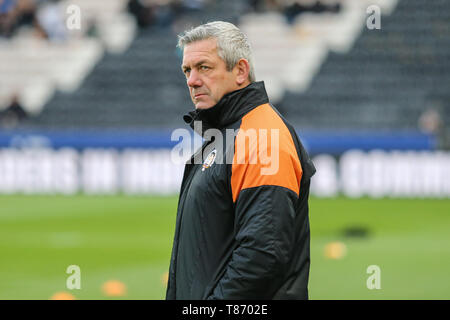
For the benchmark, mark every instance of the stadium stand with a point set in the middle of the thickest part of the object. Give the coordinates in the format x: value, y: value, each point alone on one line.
x: 105, y: 99
x: 363, y: 79
x: 142, y: 87
x: 42, y: 53
x: 387, y: 79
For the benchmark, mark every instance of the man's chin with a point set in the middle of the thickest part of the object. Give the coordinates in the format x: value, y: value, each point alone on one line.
x: 203, y: 106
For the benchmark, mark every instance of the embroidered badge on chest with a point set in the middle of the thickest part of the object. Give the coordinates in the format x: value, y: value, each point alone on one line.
x: 209, y: 160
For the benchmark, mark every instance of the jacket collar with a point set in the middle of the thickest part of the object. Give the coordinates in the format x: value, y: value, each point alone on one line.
x: 232, y: 107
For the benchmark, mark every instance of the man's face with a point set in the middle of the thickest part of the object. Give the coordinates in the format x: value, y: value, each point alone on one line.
x: 206, y: 74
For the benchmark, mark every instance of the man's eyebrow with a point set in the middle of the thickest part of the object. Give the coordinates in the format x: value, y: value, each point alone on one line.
x: 184, y: 67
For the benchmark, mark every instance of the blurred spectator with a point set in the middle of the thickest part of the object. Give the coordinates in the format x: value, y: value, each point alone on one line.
x: 301, y: 6
x: 46, y: 17
x: 163, y: 13
x: 7, y: 17
x: 430, y: 121
x: 6, y: 6
x: 260, y: 6
x: 15, y: 14
x: 193, y: 4
x: 142, y: 12
x: 13, y: 114
x: 292, y: 8
x: 152, y: 12
x: 50, y: 19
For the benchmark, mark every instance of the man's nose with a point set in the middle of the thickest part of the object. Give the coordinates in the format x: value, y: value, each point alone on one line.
x: 194, y: 80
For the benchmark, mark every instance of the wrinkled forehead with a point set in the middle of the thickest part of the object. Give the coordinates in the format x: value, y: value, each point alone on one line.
x: 202, y: 49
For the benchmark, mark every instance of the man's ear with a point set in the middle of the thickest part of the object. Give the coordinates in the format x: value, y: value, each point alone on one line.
x: 242, y: 69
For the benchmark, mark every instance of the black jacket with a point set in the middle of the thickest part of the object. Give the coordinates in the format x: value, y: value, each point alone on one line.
x: 241, y: 233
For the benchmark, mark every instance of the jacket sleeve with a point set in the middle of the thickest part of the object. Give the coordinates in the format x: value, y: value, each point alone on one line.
x: 264, y: 230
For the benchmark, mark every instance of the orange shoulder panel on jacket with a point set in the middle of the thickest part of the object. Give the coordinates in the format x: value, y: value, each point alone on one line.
x: 265, y: 153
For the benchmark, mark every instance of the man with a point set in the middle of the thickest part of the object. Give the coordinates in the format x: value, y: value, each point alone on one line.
x: 242, y: 229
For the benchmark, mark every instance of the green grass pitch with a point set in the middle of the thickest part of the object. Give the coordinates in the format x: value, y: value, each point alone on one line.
x: 129, y: 239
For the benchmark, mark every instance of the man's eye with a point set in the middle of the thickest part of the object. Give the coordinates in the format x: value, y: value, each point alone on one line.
x: 204, y: 67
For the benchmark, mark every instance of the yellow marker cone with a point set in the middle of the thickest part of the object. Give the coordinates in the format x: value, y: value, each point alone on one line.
x: 165, y: 278
x: 335, y: 250
x: 114, y: 288
x: 62, y: 296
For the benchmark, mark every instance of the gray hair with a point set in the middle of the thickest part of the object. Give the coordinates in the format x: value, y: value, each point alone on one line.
x: 232, y: 43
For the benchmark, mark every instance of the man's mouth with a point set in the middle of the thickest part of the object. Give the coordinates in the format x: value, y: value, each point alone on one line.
x: 198, y: 95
